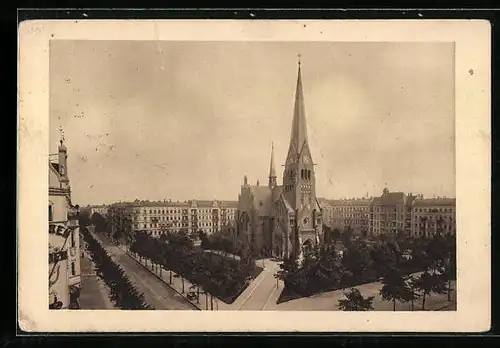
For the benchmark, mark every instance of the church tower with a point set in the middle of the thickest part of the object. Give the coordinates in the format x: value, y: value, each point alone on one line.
x: 299, y: 178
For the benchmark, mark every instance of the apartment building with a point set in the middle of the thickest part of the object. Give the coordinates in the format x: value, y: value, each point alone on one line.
x: 167, y: 216
x: 433, y: 216
x: 391, y: 213
x: 64, y: 242
x: 354, y: 213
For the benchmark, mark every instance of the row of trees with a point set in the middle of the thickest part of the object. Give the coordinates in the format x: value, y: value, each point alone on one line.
x: 392, y: 261
x: 220, y: 276
x: 436, y: 259
x: 123, y: 293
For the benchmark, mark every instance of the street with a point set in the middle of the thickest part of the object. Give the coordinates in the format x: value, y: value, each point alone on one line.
x: 156, y: 292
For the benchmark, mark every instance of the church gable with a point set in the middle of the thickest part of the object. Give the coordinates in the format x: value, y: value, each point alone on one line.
x: 305, y: 154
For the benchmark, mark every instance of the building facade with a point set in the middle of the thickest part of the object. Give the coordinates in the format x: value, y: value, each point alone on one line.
x: 354, y: 213
x: 432, y: 216
x: 99, y: 209
x: 64, y: 241
x: 391, y: 213
x: 158, y: 218
x: 284, y: 220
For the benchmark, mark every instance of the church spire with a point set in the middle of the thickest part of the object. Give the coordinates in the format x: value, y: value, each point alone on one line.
x: 299, y: 130
x: 272, y: 169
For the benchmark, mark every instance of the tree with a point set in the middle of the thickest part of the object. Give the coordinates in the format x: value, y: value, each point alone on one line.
x: 354, y: 301
x: 357, y: 259
x: 335, y: 234
x: 347, y: 236
x: 384, y: 258
x: 450, y: 266
x: 288, y: 268
x: 98, y: 221
x: 437, y: 253
x: 429, y: 283
x: 395, y: 288
x: 414, y: 292
x: 205, y: 243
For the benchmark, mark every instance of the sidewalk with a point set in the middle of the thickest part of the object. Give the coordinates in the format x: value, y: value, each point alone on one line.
x: 94, y: 293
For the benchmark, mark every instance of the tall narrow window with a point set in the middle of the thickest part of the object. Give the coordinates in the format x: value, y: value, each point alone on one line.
x: 73, y: 269
x: 72, y: 239
x: 50, y: 213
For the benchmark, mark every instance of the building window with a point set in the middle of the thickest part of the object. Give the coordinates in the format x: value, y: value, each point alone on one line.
x: 51, y: 217
x: 73, y: 268
x: 72, y: 239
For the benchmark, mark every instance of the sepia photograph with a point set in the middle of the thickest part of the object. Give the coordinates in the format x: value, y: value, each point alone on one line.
x: 286, y: 175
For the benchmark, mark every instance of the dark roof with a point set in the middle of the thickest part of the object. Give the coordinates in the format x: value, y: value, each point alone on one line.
x: 185, y: 204
x: 228, y: 204
x: 55, y: 166
x: 434, y: 201
x: 349, y: 202
x: 392, y: 198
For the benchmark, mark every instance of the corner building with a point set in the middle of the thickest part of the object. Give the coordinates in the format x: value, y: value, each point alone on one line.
x: 64, y: 243
x: 283, y: 221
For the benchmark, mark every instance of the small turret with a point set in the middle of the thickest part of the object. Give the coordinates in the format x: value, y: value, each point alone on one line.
x: 272, y: 170
x: 63, y: 162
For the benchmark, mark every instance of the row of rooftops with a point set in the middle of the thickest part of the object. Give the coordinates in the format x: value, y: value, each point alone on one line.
x: 392, y: 198
x: 170, y: 203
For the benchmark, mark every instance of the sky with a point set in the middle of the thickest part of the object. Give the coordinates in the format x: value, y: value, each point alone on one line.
x: 187, y: 120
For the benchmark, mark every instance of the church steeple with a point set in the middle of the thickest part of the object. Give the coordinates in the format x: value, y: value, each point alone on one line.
x: 299, y: 128
x: 298, y: 175
x: 272, y: 169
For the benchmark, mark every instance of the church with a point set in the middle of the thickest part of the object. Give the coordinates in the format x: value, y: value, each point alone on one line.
x: 284, y: 220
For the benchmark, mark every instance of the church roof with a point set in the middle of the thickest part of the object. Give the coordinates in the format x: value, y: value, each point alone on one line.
x: 262, y: 198
x: 287, y: 204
